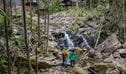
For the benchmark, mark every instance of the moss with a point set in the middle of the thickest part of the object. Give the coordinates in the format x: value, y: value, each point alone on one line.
x: 74, y: 27
x: 22, y: 63
x: 101, y: 68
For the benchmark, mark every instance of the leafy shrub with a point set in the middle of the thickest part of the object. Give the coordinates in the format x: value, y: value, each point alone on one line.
x: 3, y: 64
x: 2, y: 15
x: 55, y: 6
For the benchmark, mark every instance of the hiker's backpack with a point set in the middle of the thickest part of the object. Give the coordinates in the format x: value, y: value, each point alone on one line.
x: 65, y: 53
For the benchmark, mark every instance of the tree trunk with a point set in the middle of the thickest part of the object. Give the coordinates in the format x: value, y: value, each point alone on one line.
x: 26, y: 40
x: 47, y: 29
x: 38, y: 36
x: 7, y: 39
x: 31, y: 15
x: 77, y: 3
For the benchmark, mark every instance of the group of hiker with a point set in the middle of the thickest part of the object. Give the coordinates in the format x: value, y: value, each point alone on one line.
x: 69, y: 57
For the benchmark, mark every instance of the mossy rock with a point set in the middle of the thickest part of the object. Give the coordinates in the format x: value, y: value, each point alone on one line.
x: 102, y: 68
x: 23, y: 62
x: 41, y: 65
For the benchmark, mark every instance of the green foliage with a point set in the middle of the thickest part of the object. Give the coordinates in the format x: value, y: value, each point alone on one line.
x: 2, y: 16
x: 3, y: 64
x: 74, y: 27
x: 18, y: 41
x: 1, y: 27
x: 55, y: 6
x: 23, y: 66
x: 113, y: 18
x: 89, y: 3
x: 2, y: 13
x: 78, y: 12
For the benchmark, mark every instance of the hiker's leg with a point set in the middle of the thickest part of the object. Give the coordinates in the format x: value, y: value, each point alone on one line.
x: 70, y: 62
x: 73, y: 62
x: 63, y: 63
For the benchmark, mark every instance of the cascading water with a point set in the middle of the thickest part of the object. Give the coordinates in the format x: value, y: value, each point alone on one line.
x: 85, y: 43
x: 70, y: 44
x: 64, y: 40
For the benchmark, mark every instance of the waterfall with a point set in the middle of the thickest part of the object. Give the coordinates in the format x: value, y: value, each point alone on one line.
x: 70, y: 44
x: 65, y: 41
x: 85, y: 43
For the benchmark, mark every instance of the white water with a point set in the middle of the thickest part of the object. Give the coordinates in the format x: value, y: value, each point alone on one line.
x: 85, y: 42
x: 69, y: 42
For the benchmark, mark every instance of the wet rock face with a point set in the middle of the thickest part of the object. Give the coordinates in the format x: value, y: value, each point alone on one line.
x: 109, y: 45
x: 59, y: 35
x: 78, y: 40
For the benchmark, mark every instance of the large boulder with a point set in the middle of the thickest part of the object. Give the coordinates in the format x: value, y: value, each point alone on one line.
x: 55, y: 70
x: 121, y: 65
x: 105, y: 68
x: 80, y: 49
x: 116, y: 55
x: 60, y: 19
x: 109, y: 68
x: 78, y: 70
x: 122, y: 53
x: 116, y: 71
x: 52, y: 46
x: 124, y: 45
x: 82, y: 30
x: 42, y: 63
x: 109, y: 59
x: 109, y: 45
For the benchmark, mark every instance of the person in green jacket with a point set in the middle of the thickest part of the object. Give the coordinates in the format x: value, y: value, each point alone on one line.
x: 73, y: 57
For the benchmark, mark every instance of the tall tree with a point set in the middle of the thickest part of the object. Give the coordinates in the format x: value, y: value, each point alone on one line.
x: 124, y: 19
x: 77, y: 3
x: 114, y: 17
x: 38, y: 13
x: 31, y: 22
x: 26, y: 40
x: 7, y: 38
x: 47, y: 27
